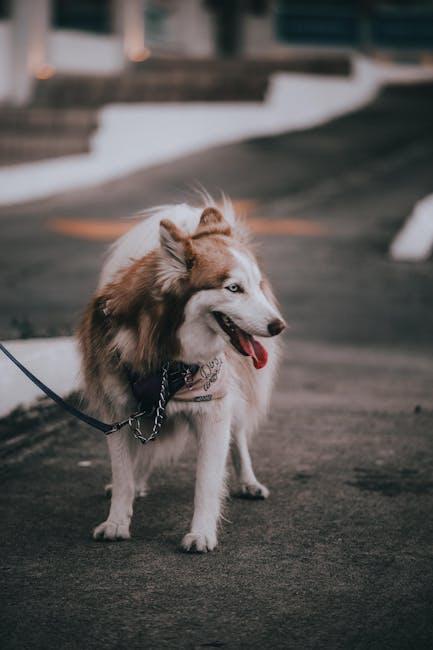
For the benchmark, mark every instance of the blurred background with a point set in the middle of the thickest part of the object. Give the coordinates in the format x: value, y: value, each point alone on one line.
x: 92, y: 91
x: 74, y: 39
x: 316, y: 118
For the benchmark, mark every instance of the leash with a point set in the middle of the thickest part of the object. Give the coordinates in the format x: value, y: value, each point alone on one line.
x: 133, y: 420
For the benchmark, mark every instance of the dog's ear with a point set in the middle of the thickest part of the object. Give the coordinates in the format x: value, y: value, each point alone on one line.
x: 177, y: 247
x: 211, y: 216
x: 212, y: 222
x: 172, y: 239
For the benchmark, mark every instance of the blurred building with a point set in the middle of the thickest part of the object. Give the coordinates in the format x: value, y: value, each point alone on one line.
x: 40, y: 38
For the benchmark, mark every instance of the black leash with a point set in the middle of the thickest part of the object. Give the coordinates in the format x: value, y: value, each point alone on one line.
x: 88, y: 419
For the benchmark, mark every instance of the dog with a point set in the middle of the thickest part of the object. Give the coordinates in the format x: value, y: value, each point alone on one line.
x: 182, y: 289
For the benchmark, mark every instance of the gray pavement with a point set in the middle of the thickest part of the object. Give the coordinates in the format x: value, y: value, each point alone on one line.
x: 340, y: 556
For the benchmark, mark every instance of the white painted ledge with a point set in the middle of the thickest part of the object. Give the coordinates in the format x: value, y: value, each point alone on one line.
x: 54, y: 361
x: 414, y: 242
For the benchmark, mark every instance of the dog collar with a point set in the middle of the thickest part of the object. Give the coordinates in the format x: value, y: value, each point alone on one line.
x: 207, y: 384
x: 186, y: 383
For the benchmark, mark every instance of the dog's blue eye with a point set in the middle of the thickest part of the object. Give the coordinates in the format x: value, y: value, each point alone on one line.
x: 234, y: 288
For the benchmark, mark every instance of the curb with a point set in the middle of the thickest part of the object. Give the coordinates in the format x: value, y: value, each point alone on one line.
x: 54, y: 361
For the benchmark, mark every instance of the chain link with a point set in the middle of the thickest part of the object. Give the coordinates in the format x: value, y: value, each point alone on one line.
x: 134, y: 420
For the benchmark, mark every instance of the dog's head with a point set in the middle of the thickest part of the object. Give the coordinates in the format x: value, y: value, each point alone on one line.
x: 227, y: 299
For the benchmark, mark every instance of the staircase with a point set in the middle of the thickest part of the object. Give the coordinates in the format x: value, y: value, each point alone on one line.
x: 34, y: 133
x: 63, y: 113
x: 181, y: 80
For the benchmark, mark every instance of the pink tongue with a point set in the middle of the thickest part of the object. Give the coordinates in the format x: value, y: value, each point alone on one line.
x: 253, y: 349
x: 260, y: 358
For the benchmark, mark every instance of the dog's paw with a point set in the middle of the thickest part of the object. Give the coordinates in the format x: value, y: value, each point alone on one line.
x: 141, y: 488
x: 141, y: 491
x: 199, y: 542
x: 254, y: 491
x: 112, y: 531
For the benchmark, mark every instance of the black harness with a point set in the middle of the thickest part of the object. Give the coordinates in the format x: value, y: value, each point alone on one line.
x: 146, y: 388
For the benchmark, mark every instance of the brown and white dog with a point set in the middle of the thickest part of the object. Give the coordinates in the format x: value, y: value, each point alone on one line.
x: 183, y: 285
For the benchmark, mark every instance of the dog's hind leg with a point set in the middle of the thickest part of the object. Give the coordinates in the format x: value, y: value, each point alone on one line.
x: 249, y: 486
x: 213, y: 438
x: 160, y: 452
x: 142, y: 468
x: 116, y: 526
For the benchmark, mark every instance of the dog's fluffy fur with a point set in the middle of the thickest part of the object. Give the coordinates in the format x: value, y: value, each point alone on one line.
x: 160, y: 285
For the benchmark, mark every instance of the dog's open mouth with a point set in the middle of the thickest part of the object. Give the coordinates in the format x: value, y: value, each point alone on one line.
x: 242, y: 341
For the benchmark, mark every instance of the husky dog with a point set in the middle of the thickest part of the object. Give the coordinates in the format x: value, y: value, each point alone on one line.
x: 182, y: 287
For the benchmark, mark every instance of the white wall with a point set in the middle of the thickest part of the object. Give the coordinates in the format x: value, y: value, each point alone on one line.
x: 193, y: 27
x: 79, y: 52
x: 5, y: 59
x: 259, y: 38
x: 30, y: 24
x: 187, y: 30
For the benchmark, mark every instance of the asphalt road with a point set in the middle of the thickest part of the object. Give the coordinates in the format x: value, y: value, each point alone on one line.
x: 340, y: 556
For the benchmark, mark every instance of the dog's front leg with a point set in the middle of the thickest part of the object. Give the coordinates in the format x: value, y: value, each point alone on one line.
x: 117, y: 524
x: 213, y: 439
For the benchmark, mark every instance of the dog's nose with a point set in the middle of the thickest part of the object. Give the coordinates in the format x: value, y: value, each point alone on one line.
x: 276, y: 326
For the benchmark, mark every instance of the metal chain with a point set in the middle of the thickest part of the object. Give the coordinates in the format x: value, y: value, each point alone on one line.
x: 188, y: 378
x: 134, y: 420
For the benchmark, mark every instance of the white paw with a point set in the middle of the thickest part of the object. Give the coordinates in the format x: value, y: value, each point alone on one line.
x: 199, y: 542
x: 254, y: 491
x: 141, y: 488
x: 110, y: 530
x: 141, y: 491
